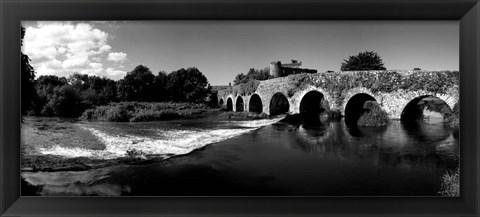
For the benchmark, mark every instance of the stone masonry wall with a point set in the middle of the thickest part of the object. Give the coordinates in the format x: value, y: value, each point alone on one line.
x: 392, y: 90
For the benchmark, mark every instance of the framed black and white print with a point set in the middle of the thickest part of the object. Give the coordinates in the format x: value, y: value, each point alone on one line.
x: 204, y: 107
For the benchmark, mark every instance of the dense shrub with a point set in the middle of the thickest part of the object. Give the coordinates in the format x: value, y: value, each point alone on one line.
x: 374, y: 117
x: 117, y: 113
x: 454, y: 119
x: 149, y: 115
x: 253, y: 74
x: 243, y: 115
x: 451, y: 184
x: 246, y: 88
x: 143, y: 111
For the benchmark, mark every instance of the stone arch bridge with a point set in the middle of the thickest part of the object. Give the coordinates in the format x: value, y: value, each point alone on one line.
x: 342, y: 92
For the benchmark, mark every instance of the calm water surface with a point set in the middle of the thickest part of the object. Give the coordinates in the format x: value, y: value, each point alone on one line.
x: 278, y: 159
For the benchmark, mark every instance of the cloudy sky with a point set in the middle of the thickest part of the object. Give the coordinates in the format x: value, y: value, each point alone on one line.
x: 222, y: 49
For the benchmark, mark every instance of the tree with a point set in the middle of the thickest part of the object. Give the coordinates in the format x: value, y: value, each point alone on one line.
x: 64, y: 102
x: 240, y: 78
x: 367, y: 60
x: 94, y: 90
x: 137, y: 85
x: 188, y: 85
x: 59, y: 96
x: 160, y: 87
x: 259, y: 74
x: 45, y: 86
x: 253, y: 74
x: 27, y: 79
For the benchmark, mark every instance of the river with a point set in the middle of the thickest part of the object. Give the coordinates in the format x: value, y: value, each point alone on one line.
x: 260, y: 158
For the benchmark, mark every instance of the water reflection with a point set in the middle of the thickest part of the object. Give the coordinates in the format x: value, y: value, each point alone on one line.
x: 426, y: 130
x: 94, y: 183
x: 402, y: 144
x: 404, y: 158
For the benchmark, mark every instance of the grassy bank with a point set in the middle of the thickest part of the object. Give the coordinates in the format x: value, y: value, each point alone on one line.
x: 144, y: 111
x: 230, y: 115
x: 451, y: 183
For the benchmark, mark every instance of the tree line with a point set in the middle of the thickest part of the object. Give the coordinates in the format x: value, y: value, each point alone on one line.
x: 71, y: 96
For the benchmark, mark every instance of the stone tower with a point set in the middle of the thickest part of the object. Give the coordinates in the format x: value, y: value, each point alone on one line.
x: 276, y: 69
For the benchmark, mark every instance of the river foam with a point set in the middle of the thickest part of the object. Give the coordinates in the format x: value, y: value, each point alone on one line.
x: 172, y: 142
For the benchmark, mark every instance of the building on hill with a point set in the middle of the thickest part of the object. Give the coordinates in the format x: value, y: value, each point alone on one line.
x: 277, y: 69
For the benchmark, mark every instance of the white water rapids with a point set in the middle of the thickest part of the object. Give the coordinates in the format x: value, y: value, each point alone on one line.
x: 170, y: 141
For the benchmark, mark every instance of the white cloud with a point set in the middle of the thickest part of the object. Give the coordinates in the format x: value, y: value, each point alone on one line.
x: 117, y: 56
x: 105, y: 48
x: 96, y: 65
x: 63, y: 48
x: 54, y: 64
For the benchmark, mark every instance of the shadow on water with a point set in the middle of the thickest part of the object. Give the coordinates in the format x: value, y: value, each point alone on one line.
x: 311, y: 120
x: 357, y: 131
x: 149, y: 180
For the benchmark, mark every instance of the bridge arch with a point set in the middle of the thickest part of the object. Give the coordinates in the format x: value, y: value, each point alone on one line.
x: 313, y: 102
x: 279, y: 104
x: 313, y: 108
x: 255, y: 104
x: 416, y: 107
x: 296, y: 99
x: 354, y: 107
x: 220, y: 103
x: 229, y: 104
x: 239, y: 105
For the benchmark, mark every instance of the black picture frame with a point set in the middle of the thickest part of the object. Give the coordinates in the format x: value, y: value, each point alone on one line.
x: 467, y: 12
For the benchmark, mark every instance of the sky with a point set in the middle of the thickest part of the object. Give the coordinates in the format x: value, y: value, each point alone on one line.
x: 223, y: 49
